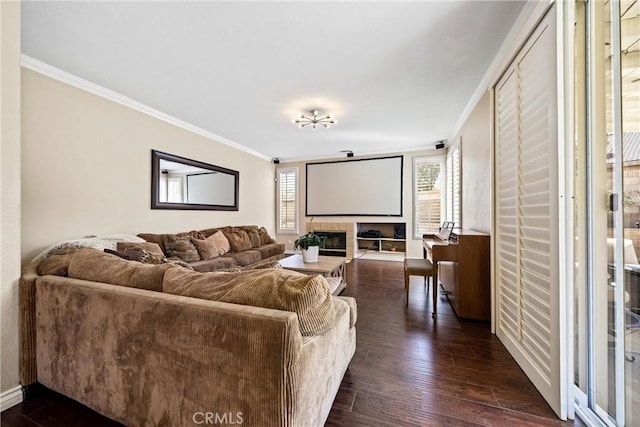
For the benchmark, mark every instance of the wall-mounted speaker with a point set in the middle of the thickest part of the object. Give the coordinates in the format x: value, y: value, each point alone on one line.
x: 439, y: 145
x: 350, y: 154
x: 276, y: 161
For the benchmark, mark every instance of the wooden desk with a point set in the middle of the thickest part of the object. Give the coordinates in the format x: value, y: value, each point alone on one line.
x: 463, y: 270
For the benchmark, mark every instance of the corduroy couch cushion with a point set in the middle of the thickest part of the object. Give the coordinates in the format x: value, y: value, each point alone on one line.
x: 97, y: 266
x: 280, y: 289
x: 57, y: 263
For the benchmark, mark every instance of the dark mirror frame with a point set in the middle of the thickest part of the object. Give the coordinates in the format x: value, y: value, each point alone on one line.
x: 156, y: 156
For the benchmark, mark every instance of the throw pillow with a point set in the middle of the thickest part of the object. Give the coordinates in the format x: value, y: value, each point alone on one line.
x: 254, y: 236
x: 238, y: 239
x: 155, y: 238
x: 265, y: 239
x: 307, y: 296
x: 181, y: 247
x: 220, y: 241
x: 131, y: 255
x: 206, y: 248
x: 146, y: 246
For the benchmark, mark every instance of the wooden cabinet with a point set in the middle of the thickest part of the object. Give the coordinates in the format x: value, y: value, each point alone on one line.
x: 464, y: 272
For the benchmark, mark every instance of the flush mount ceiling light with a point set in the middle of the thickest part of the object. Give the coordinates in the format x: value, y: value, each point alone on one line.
x: 314, y: 120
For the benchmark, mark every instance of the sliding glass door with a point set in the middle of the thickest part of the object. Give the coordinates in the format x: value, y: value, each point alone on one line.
x: 607, y: 148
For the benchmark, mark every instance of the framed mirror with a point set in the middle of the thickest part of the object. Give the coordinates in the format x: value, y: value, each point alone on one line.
x: 181, y: 183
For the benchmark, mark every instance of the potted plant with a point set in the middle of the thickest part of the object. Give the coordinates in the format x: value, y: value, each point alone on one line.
x: 310, y: 244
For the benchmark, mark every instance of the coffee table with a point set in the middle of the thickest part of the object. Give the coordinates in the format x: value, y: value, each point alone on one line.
x: 331, y: 267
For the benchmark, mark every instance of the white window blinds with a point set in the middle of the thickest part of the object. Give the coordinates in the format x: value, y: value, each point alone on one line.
x: 453, y: 186
x: 288, y: 200
x: 428, y: 180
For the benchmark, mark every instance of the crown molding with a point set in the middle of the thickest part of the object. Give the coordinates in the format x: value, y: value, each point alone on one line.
x: 80, y: 83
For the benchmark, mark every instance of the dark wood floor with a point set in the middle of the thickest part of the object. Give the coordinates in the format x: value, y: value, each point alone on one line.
x: 408, y: 369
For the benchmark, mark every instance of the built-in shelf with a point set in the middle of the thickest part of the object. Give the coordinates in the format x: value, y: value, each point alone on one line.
x: 376, y: 240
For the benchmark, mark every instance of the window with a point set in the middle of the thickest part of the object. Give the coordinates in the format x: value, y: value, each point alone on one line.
x: 428, y: 180
x: 453, y: 185
x: 287, y: 200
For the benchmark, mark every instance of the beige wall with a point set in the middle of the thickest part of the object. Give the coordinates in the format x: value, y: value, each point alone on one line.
x: 475, y: 137
x: 10, y: 192
x: 414, y: 246
x: 87, y: 166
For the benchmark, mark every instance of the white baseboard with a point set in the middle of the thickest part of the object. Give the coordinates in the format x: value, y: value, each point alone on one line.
x: 10, y: 398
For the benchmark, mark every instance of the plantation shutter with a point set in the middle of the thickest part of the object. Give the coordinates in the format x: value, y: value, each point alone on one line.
x: 288, y: 200
x: 526, y: 216
x: 428, y: 193
x: 453, y: 186
x: 457, y: 179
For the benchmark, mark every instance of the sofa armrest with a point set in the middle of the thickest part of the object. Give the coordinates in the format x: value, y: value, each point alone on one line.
x: 353, y: 309
x: 149, y: 358
x: 27, y: 303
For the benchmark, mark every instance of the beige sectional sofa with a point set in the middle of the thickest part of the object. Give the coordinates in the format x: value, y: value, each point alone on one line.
x: 249, y: 245
x: 162, y: 345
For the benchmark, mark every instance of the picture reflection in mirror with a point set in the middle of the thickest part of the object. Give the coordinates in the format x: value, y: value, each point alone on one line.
x: 180, y: 183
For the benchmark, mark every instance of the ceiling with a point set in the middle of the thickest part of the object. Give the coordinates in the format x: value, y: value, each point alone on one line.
x: 397, y: 75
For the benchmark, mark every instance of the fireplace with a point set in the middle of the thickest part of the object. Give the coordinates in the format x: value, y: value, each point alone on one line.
x: 344, y: 228
x: 336, y: 243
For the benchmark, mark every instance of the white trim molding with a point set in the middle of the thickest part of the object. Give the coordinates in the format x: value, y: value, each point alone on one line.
x: 75, y: 81
x: 10, y: 398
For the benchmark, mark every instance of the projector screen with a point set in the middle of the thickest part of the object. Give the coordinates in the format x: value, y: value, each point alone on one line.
x: 364, y: 187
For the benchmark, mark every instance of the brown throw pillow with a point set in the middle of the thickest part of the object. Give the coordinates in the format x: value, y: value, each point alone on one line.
x: 130, y: 255
x: 254, y: 236
x: 265, y: 239
x: 146, y: 246
x: 238, y: 239
x: 181, y: 247
x: 220, y: 241
x: 155, y: 238
x: 206, y: 249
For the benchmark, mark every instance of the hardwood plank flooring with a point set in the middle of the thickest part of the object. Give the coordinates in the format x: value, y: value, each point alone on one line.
x: 408, y: 370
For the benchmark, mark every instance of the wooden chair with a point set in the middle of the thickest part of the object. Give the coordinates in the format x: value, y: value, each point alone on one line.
x: 416, y: 267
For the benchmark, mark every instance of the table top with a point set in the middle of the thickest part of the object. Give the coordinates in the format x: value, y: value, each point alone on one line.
x: 325, y: 264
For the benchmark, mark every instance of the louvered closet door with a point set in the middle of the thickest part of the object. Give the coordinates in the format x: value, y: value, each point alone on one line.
x: 526, y: 230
